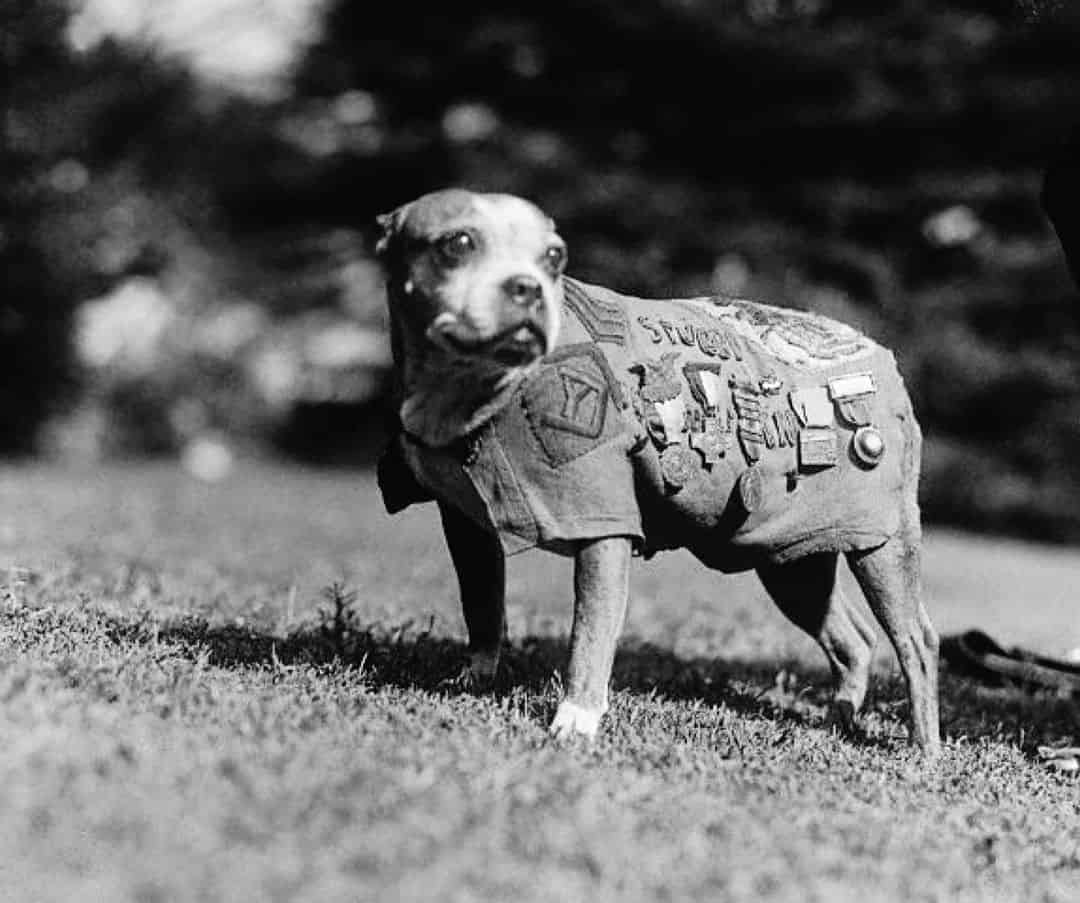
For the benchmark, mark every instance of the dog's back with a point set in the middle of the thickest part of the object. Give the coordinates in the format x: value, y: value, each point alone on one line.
x: 747, y: 433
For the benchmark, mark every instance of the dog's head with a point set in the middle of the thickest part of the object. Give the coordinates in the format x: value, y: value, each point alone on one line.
x: 475, y: 276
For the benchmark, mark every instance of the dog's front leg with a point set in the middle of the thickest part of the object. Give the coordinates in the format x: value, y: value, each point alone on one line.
x: 481, y: 571
x: 601, y: 586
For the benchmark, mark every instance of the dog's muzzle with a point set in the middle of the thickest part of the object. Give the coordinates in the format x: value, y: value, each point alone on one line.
x: 519, y: 343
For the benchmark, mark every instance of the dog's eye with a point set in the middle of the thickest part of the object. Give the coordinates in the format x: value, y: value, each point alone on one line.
x: 456, y: 246
x: 555, y: 258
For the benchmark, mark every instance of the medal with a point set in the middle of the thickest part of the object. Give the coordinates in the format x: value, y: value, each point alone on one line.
x: 868, y: 446
x: 817, y: 448
x: 677, y: 464
x: 751, y: 489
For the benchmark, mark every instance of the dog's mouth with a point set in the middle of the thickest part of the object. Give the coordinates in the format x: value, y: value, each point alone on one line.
x: 517, y: 345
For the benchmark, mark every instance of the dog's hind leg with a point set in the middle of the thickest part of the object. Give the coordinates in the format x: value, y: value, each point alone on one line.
x: 481, y: 572
x: 890, y: 577
x: 807, y: 591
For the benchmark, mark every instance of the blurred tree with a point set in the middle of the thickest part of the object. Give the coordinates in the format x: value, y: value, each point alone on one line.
x: 34, y: 309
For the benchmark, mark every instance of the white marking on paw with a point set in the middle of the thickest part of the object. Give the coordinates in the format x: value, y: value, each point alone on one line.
x: 571, y: 720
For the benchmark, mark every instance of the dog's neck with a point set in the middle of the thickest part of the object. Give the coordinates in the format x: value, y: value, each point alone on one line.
x: 445, y: 397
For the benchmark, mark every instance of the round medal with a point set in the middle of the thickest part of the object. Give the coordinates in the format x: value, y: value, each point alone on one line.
x: 751, y: 489
x: 868, y: 446
x: 677, y: 464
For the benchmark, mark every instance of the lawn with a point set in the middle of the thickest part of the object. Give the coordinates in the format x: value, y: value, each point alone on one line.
x: 231, y: 692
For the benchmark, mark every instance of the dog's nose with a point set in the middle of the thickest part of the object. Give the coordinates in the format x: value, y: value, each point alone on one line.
x: 524, y: 291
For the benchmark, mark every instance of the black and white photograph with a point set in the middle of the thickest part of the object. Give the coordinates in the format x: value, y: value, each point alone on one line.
x: 602, y: 450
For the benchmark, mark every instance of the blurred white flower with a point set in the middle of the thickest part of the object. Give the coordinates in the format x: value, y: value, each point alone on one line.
x: 355, y: 108
x: 464, y: 123
x: 315, y: 134
x: 225, y: 332
x: 247, y: 45
x: 362, y: 287
x: 207, y: 458
x: 188, y: 416
x: 347, y: 345
x: 68, y: 176
x: 275, y: 373
x: 124, y: 328
x: 731, y: 274
x: 956, y: 225
x: 541, y: 147
x: 527, y: 61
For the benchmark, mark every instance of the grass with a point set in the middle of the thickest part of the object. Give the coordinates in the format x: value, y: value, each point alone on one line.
x: 231, y: 693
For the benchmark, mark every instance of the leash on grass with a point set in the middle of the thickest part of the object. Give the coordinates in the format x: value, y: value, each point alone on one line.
x: 975, y: 654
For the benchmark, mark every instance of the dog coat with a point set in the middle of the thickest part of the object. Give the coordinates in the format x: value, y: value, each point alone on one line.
x: 743, y: 432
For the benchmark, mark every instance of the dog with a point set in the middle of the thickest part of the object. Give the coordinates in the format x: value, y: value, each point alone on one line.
x: 540, y: 411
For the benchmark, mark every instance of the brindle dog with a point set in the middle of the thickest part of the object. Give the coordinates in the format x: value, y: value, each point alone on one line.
x: 476, y: 294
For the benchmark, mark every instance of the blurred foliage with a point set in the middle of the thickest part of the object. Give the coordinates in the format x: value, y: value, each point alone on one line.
x: 878, y: 162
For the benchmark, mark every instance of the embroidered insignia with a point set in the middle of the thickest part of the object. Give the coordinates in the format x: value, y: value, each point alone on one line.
x: 751, y: 489
x: 868, y: 446
x: 712, y: 341
x: 584, y: 404
x: 812, y: 406
x: 852, y: 396
x: 678, y: 464
x: 751, y: 419
x: 796, y: 337
x: 604, y: 321
x: 567, y: 402
x: 817, y: 448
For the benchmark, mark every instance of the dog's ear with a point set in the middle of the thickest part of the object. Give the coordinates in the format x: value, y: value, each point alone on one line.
x: 387, y: 226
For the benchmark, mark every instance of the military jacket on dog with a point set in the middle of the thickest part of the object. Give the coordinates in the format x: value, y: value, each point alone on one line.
x: 743, y: 432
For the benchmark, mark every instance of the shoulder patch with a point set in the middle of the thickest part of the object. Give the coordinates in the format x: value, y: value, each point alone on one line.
x: 604, y: 321
x: 568, y: 403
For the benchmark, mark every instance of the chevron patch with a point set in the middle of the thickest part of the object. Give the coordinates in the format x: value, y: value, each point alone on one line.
x: 604, y: 321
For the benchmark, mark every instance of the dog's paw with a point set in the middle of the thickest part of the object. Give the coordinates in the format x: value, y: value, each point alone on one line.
x: 843, y: 716
x: 572, y: 720
x: 479, y: 673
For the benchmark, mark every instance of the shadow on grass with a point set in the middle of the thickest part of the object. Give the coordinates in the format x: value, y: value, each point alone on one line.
x: 410, y: 657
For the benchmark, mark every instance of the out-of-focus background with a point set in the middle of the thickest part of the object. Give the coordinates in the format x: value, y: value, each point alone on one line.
x: 186, y: 186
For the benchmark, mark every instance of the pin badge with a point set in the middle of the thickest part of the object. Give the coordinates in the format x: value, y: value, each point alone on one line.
x: 771, y: 384
x: 817, y: 448
x: 711, y: 440
x: 868, y: 445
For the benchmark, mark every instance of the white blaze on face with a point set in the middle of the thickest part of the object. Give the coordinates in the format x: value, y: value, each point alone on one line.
x: 514, y: 235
